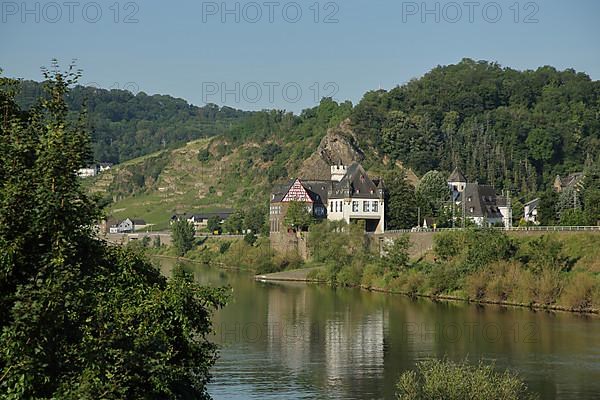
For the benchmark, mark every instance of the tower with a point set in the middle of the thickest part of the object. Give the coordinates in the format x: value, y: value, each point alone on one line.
x: 457, y: 181
x: 338, y: 171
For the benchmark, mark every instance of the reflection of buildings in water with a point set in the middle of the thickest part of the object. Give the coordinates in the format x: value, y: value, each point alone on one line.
x: 287, y: 331
x: 347, y: 347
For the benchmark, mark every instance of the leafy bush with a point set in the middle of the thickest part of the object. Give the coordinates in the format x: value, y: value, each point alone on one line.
x: 444, y: 279
x: 443, y: 379
x: 484, y: 246
x: 446, y: 245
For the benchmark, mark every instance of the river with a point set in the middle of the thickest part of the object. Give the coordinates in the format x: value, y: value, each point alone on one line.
x: 302, y: 341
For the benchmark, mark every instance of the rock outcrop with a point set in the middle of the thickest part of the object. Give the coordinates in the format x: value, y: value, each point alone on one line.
x: 339, y: 146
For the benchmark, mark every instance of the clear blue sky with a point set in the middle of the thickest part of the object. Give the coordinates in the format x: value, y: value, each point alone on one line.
x: 185, y: 50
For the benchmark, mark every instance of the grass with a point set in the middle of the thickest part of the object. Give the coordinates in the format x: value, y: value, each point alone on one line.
x: 184, y: 184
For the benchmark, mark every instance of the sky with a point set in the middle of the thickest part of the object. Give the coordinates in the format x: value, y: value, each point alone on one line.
x: 268, y: 54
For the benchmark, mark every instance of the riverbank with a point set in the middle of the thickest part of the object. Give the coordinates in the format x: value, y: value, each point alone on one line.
x: 304, y: 275
x: 552, y: 272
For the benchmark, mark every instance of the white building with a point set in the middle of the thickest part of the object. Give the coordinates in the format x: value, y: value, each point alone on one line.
x: 530, y: 211
x: 480, y: 203
x: 354, y: 196
x: 350, y: 195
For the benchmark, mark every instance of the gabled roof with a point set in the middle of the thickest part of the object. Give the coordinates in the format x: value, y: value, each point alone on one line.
x: 533, y: 202
x: 572, y: 179
x: 356, y: 183
x: 318, y: 190
x: 481, y: 199
x: 457, y: 176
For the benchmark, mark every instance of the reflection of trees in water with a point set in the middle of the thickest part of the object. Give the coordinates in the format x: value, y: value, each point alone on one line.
x: 320, y: 342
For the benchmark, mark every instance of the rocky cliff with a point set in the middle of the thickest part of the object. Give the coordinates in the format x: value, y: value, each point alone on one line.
x: 339, y: 146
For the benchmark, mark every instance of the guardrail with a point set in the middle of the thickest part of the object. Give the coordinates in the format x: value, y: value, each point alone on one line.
x: 511, y: 229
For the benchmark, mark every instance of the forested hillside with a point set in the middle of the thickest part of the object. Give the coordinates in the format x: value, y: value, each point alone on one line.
x: 512, y: 129
x: 126, y: 126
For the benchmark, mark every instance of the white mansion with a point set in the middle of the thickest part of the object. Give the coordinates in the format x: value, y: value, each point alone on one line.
x: 349, y: 195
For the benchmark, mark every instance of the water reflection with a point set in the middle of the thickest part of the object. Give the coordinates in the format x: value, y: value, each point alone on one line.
x: 296, y: 341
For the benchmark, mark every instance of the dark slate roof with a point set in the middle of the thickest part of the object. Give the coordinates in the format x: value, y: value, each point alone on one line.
x: 483, y: 200
x: 280, y: 191
x: 571, y: 179
x: 532, y: 203
x: 317, y: 190
x: 457, y: 176
x: 356, y: 183
x: 138, y: 222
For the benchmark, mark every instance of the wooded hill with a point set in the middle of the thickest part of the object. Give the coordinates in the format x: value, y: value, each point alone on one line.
x: 126, y: 126
x: 513, y: 129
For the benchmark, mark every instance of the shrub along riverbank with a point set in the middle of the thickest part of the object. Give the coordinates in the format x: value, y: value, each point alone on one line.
x: 552, y: 271
x: 248, y: 254
x: 560, y: 271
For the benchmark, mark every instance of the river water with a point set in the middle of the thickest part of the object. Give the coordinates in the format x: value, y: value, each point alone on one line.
x: 302, y: 341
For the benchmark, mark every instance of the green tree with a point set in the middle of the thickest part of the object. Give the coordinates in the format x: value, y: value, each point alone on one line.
x: 182, y: 235
x: 569, y: 199
x: 396, y: 257
x: 444, y: 379
x: 78, y: 318
x: 250, y: 238
x: 592, y: 205
x: 542, y: 144
x: 270, y: 151
x: 214, y: 224
x: 204, y: 155
x: 547, y: 214
x: 433, y: 193
x: 298, y: 216
x: 401, y: 202
x: 255, y: 220
x: 575, y: 217
x: 234, y: 224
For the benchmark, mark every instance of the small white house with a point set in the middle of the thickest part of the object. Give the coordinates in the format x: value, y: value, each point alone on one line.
x: 127, y: 226
x: 530, y: 211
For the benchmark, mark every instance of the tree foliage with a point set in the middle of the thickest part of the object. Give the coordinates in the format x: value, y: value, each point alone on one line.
x: 400, y: 202
x: 298, y: 216
x: 127, y: 125
x: 512, y: 129
x: 182, y: 235
x: 78, y: 318
x: 433, y: 193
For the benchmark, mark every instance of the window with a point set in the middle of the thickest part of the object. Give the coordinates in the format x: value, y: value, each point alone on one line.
x: 472, y: 209
x: 336, y: 206
x: 355, y: 206
x: 366, y: 206
x: 375, y: 206
x: 341, y: 204
x: 331, y: 206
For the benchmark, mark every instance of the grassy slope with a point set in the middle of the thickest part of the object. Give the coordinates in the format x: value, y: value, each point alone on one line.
x: 185, y: 184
